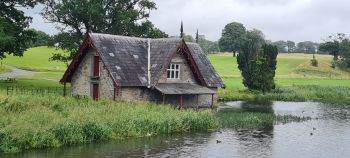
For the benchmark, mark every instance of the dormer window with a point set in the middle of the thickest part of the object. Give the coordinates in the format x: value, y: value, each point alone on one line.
x: 173, y: 71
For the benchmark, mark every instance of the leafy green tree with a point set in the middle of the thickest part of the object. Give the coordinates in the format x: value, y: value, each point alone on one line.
x: 281, y: 46
x: 15, y: 38
x: 257, y: 62
x: 307, y: 47
x: 333, y: 45
x: 42, y: 38
x: 291, y: 46
x: 207, y: 45
x: 231, y: 37
x: 344, y: 53
x: 188, y: 38
x: 119, y: 17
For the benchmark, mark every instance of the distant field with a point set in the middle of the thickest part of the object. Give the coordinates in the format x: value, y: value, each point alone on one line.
x: 292, y: 69
x: 288, y: 66
x: 236, y: 83
x: 36, y: 59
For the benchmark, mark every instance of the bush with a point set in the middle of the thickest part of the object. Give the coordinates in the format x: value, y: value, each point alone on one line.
x: 314, y: 61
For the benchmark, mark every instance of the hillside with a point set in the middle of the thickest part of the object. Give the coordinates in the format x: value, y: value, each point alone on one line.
x: 292, y: 69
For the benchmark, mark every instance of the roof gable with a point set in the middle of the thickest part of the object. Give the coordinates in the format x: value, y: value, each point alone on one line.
x: 126, y: 59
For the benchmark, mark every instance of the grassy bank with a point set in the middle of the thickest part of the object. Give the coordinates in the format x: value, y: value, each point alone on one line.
x: 329, y: 94
x: 39, y: 122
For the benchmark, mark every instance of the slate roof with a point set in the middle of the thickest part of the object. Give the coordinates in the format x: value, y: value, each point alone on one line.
x: 126, y: 58
x: 183, y: 88
x: 211, y: 77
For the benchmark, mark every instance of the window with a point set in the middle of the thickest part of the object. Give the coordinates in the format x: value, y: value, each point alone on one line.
x: 173, y: 71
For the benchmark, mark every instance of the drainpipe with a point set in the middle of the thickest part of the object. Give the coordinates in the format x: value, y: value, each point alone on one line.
x: 149, y: 63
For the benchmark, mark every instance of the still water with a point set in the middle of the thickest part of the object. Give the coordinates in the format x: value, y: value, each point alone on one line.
x: 326, y: 135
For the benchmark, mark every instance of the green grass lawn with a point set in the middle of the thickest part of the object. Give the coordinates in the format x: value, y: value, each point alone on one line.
x: 36, y: 59
x: 30, y: 83
x: 288, y: 66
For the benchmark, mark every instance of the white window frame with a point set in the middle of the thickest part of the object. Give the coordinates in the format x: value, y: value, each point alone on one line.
x: 172, y: 69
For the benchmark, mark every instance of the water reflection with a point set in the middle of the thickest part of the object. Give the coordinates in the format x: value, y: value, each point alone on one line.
x: 330, y: 128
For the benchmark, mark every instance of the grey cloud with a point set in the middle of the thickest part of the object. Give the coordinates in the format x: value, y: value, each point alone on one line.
x: 296, y: 20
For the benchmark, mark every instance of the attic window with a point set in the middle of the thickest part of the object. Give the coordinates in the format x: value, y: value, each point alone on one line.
x: 173, y: 71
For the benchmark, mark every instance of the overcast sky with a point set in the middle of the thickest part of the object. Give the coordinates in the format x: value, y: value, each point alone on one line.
x: 297, y: 20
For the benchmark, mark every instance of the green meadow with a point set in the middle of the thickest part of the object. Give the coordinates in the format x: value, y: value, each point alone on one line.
x: 296, y: 80
x: 36, y: 59
x: 292, y: 70
x: 44, y: 121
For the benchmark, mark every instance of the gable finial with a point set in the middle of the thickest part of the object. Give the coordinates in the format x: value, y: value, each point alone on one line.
x: 197, y: 37
x: 182, y: 30
x: 89, y: 29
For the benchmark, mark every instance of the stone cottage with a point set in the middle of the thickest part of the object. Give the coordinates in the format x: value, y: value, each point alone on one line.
x: 168, y: 71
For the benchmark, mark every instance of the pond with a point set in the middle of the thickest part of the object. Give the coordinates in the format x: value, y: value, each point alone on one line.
x: 327, y: 134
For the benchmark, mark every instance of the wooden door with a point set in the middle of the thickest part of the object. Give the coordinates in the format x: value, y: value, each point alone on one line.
x: 95, y: 91
x: 96, y: 66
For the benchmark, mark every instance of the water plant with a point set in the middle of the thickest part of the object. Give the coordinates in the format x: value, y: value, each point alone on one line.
x: 33, y: 121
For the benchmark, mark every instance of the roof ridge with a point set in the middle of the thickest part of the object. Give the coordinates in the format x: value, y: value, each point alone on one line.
x: 133, y: 37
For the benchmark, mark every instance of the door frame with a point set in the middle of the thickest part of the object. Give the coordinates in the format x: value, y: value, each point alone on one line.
x: 95, y: 91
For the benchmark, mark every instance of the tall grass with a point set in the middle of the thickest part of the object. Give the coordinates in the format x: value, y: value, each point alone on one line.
x: 337, y: 94
x: 39, y: 122
x: 239, y: 120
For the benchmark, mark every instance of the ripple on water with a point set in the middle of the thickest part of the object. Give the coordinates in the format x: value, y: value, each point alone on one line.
x: 327, y: 134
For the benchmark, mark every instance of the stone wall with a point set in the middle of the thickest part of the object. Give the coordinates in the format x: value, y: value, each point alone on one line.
x: 186, y: 74
x: 140, y: 94
x: 80, y: 84
x: 106, y: 90
x: 204, y: 100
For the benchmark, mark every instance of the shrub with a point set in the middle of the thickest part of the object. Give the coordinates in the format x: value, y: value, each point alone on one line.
x: 314, y: 61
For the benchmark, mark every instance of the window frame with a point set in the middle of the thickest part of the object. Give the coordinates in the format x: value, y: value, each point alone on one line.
x: 171, y: 71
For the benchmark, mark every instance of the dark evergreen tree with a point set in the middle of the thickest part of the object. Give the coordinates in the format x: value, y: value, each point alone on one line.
x: 258, y: 65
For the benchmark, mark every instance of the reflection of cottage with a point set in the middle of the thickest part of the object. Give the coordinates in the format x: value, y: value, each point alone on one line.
x: 167, y: 71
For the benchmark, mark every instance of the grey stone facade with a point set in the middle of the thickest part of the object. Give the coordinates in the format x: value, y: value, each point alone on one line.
x: 81, y: 85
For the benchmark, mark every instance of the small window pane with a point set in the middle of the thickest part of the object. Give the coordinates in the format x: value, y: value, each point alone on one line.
x: 177, y: 66
x: 172, y: 74
x: 177, y: 74
x: 172, y: 66
x: 168, y: 75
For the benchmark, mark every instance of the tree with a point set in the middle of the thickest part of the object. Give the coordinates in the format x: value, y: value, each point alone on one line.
x: 42, y: 38
x: 257, y: 62
x: 307, y: 47
x: 188, y: 38
x: 332, y: 45
x: 15, y: 37
x: 231, y: 37
x: 281, y: 46
x: 207, y: 45
x: 77, y: 17
x: 291, y: 46
x: 344, y: 53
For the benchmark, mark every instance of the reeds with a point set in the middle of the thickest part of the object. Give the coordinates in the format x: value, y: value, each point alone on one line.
x: 296, y: 93
x: 39, y: 122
